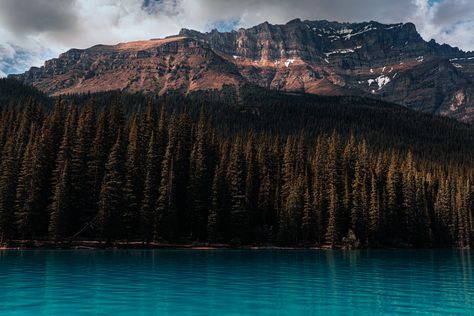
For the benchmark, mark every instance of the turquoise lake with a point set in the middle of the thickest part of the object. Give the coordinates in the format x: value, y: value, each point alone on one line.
x: 234, y: 282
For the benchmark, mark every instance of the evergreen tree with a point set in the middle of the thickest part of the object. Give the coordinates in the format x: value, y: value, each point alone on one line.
x: 134, y: 188
x: 8, y: 180
x: 252, y: 184
x: 236, y: 179
x: 293, y: 212
x: 96, y: 167
x: 374, y: 211
x: 309, y: 221
x: 61, y: 208
x: 60, y: 219
x: 332, y: 230
x: 154, y: 159
x: 112, y: 193
x: 442, y: 208
x: 167, y: 206
x: 200, y: 185
x: 393, y: 201
x: 410, y: 205
x: 25, y: 178
x: 319, y: 188
x: 81, y: 156
x: 359, y: 212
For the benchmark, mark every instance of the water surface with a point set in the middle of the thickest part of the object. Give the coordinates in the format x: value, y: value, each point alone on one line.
x: 231, y: 282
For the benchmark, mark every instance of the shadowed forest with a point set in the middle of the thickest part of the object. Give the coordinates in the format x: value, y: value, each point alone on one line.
x: 255, y: 168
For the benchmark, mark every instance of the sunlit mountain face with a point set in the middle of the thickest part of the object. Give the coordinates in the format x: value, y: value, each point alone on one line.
x: 391, y: 62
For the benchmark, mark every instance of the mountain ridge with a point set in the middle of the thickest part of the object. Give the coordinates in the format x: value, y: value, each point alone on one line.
x: 391, y: 62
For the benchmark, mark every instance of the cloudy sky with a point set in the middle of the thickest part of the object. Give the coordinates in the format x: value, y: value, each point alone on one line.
x: 32, y: 31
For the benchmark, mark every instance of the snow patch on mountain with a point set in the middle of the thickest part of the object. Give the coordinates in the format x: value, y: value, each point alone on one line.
x: 366, y: 29
x: 289, y: 61
x: 343, y: 51
x: 381, y: 81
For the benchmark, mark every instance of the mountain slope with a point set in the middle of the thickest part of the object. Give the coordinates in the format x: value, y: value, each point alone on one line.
x: 160, y: 65
x: 390, y: 62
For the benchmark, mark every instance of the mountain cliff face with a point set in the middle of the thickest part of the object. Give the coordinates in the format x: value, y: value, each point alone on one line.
x: 390, y: 62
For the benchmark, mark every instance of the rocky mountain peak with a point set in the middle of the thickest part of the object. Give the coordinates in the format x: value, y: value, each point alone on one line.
x: 387, y: 61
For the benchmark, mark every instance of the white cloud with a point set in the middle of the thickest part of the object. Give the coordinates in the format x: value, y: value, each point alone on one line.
x: 42, y: 29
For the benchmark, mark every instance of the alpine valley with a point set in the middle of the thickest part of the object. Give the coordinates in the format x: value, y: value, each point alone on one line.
x: 391, y: 62
x: 311, y: 167
x: 308, y: 134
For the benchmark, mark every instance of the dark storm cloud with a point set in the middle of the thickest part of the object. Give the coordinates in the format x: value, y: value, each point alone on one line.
x: 25, y: 17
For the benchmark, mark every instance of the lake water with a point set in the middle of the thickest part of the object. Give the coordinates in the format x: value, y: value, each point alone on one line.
x: 232, y: 282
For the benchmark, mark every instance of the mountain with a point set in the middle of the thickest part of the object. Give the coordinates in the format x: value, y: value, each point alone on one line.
x: 391, y: 62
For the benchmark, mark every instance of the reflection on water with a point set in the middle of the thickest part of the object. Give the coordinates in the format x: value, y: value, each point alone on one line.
x: 231, y: 282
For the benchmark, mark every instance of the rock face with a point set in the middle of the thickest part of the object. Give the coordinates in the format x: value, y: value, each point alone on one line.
x: 391, y: 62
x: 178, y: 63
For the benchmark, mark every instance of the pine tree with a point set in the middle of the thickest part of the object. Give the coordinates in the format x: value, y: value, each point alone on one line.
x: 293, y: 210
x: 463, y: 210
x: 60, y: 219
x: 8, y: 180
x: 288, y: 183
x: 252, y: 184
x: 470, y: 213
x: 150, y: 195
x: 112, y: 194
x: 35, y: 206
x: 236, y: 179
x: 410, y: 206
x: 309, y: 221
x: 61, y: 212
x: 166, y: 207
x: 134, y: 166
x: 332, y: 230
x: 200, y: 185
x: 374, y: 210
x: 218, y: 203
x: 96, y: 167
x: 181, y: 168
x: 25, y: 178
x: 359, y: 212
x: 319, y: 187
x: 266, y: 213
x: 393, y: 201
x: 153, y: 162
x: 442, y: 209
x: 349, y: 158
x: 81, y: 156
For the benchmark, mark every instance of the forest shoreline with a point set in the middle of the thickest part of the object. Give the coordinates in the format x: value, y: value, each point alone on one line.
x: 126, y: 245
x: 138, y: 170
x: 101, y: 245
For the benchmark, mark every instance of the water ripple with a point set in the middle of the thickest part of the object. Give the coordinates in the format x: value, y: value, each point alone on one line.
x: 227, y: 282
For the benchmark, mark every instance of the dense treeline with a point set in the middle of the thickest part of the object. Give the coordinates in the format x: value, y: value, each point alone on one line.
x: 385, y: 126
x: 161, y: 174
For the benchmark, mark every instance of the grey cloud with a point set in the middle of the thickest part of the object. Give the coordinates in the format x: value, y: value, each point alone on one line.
x: 24, y: 17
x: 56, y: 25
x: 447, y: 12
x: 280, y: 11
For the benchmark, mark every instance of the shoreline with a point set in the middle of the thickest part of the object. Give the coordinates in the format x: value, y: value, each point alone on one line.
x: 101, y: 245
x: 138, y: 245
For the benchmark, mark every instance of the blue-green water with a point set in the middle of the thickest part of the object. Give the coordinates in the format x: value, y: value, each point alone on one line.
x: 226, y: 282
